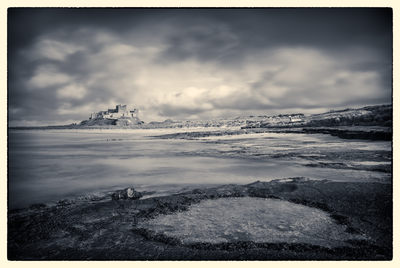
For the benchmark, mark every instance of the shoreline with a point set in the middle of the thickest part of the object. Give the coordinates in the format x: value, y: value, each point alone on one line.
x: 377, y: 133
x: 106, y: 229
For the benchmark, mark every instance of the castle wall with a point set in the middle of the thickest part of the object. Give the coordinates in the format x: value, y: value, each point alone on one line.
x: 120, y: 111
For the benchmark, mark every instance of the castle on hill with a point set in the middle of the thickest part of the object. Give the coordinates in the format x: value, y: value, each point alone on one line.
x: 120, y: 112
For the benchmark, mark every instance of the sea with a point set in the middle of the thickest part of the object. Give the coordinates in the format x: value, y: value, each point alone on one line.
x: 46, y: 166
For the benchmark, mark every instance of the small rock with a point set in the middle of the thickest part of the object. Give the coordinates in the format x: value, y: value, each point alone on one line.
x: 37, y: 206
x: 65, y: 202
x: 198, y: 191
x: 128, y: 193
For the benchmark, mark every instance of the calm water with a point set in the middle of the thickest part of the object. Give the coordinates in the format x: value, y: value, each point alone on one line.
x: 49, y: 165
x: 244, y: 219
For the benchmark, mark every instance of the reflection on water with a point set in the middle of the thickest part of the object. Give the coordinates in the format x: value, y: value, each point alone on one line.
x: 49, y: 165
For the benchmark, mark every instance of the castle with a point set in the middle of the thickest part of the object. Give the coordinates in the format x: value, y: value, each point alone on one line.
x: 120, y: 111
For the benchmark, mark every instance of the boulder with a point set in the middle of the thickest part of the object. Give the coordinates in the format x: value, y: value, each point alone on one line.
x: 128, y: 193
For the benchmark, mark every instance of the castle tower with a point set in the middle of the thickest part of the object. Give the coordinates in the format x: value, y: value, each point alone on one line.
x: 134, y: 113
x: 120, y: 111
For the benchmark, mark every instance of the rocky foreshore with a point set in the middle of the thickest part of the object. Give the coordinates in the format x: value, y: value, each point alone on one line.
x: 344, y: 132
x: 109, y: 228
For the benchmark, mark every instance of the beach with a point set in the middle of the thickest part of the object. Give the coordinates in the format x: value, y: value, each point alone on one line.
x: 61, y: 184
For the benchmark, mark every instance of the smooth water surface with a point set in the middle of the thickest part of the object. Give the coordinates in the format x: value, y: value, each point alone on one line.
x: 50, y: 165
x: 251, y: 219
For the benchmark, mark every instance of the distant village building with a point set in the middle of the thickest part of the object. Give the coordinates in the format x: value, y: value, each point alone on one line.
x: 120, y: 111
x: 294, y: 119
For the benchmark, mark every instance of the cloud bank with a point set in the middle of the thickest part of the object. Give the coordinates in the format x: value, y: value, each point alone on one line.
x: 195, y: 63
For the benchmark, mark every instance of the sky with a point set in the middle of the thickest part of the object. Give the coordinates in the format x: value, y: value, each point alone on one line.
x: 64, y: 64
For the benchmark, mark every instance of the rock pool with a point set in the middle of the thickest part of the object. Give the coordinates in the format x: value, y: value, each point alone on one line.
x: 251, y: 219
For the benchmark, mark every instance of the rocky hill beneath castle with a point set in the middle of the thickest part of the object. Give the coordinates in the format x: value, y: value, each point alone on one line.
x: 121, y: 116
x: 120, y: 122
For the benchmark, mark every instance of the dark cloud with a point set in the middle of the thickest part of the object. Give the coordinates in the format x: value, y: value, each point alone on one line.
x: 65, y: 63
x: 332, y: 28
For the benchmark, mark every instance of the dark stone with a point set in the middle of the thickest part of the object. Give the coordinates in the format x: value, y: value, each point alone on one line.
x: 385, y: 135
x: 65, y: 202
x: 340, y: 219
x: 287, y: 187
x: 37, y: 206
x: 128, y: 193
x: 107, y: 230
x: 159, y: 237
x: 352, y: 230
x: 198, y: 191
